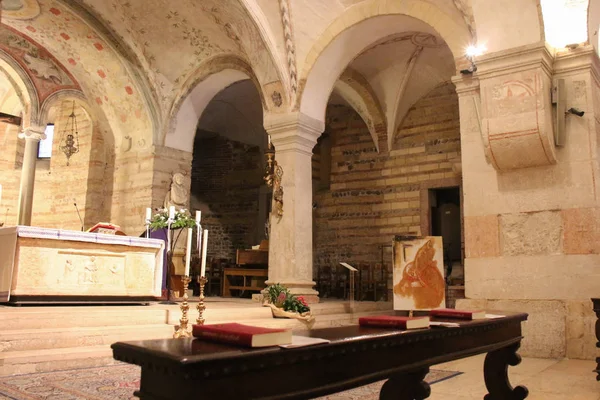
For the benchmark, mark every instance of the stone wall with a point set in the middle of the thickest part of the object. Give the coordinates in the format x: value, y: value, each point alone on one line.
x: 374, y: 196
x: 11, y: 158
x: 226, y: 186
x: 532, y: 234
x: 58, y: 186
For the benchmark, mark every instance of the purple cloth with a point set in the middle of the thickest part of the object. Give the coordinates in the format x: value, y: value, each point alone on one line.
x: 162, y: 234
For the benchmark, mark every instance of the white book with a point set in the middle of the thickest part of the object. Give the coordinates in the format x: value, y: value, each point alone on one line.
x: 303, y: 341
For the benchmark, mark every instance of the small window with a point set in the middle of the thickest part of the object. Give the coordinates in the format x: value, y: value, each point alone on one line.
x: 45, y: 146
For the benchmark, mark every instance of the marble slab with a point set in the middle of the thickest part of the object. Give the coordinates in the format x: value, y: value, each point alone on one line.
x: 60, y: 265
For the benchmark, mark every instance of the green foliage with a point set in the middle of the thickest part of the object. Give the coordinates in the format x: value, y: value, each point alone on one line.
x: 182, y: 219
x: 281, y: 297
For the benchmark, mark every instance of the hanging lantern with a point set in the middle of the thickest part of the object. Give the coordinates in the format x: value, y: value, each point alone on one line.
x: 69, y: 138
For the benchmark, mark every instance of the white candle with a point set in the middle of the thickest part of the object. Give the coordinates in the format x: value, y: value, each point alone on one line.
x: 188, y: 252
x: 172, y: 212
x: 269, y: 137
x: 204, y: 243
x: 198, y: 216
x: 148, y: 214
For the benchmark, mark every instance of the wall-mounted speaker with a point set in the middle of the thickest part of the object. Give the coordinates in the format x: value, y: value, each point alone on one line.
x: 559, y: 100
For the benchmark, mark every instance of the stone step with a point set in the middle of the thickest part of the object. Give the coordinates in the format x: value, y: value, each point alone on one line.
x: 67, y: 317
x: 46, y: 360
x: 12, y: 318
x: 37, y: 339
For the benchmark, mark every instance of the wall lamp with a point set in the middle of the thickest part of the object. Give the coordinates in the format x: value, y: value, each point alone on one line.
x: 470, y: 53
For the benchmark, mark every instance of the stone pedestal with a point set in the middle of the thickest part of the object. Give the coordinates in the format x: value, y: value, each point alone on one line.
x: 290, y: 241
x: 32, y: 137
x: 532, y: 210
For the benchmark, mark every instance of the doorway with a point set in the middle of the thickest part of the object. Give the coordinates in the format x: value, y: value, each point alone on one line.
x: 446, y: 221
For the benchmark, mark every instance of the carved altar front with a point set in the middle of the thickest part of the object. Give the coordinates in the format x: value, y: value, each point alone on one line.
x: 39, y: 265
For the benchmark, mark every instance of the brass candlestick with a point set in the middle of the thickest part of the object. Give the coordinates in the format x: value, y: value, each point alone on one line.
x: 183, y: 331
x: 201, y: 307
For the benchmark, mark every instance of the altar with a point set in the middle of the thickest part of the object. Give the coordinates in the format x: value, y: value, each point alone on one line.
x: 40, y: 265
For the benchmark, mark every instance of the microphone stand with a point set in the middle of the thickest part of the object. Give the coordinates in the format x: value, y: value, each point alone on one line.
x: 79, y: 215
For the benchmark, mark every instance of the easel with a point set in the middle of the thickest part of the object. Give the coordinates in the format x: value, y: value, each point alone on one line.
x: 352, y: 271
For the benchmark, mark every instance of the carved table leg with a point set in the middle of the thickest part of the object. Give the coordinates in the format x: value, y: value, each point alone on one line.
x: 408, y: 386
x: 495, y: 373
x: 597, y: 370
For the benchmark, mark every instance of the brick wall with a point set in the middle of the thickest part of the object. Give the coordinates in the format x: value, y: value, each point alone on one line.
x: 373, y: 196
x: 56, y: 184
x: 226, y: 182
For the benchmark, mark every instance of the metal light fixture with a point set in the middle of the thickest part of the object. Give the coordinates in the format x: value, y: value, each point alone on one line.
x: 69, y: 138
x: 273, y: 175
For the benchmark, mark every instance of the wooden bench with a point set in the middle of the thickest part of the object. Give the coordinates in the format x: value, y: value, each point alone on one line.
x: 245, y: 273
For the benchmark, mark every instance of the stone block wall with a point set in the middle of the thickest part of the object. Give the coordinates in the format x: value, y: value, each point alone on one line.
x: 11, y: 158
x: 56, y: 184
x: 227, y: 177
x: 532, y: 234
x: 375, y: 196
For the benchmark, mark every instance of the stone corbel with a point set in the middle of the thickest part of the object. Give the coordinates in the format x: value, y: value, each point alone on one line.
x: 516, y: 109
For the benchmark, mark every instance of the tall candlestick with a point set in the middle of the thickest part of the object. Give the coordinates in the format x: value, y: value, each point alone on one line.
x: 172, y: 213
x: 204, y: 243
x: 188, y: 252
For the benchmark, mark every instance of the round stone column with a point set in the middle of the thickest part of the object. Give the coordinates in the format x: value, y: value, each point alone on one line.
x: 290, y: 242
x: 32, y: 136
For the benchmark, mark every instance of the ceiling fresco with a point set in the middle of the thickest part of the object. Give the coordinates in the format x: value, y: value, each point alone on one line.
x: 172, y: 40
x: 46, y: 73
x: 100, y: 71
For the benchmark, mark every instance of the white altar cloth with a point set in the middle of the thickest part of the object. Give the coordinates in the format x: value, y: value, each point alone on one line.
x: 61, y: 264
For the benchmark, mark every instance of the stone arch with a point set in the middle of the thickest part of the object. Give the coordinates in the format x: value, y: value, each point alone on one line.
x: 210, y: 78
x: 361, y: 26
x: 66, y: 94
x: 24, y: 87
x: 357, y: 92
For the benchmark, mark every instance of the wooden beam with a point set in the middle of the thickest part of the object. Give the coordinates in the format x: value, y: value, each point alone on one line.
x: 10, y: 119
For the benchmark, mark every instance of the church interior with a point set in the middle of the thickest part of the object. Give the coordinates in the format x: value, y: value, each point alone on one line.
x: 299, y: 141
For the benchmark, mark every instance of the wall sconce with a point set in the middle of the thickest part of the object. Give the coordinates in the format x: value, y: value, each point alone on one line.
x: 273, y: 175
x: 470, y: 54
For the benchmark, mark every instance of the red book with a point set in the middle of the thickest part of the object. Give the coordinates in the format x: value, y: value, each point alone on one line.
x: 391, y: 321
x: 458, y: 314
x: 244, y: 335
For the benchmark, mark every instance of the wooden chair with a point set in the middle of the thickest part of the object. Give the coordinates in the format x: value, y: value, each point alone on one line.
x: 214, y: 274
x: 324, y: 281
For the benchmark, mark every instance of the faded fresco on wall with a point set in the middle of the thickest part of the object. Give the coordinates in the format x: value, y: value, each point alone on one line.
x: 47, y: 74
x: 419, y: 273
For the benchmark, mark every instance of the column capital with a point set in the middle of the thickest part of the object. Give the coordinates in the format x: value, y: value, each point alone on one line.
x: 293, y: 131
x: 466, y: 86
x: 510, y: 61
x: 36, y: 133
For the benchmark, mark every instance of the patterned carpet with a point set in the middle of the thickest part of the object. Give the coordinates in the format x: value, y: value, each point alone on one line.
x: 119, y: 381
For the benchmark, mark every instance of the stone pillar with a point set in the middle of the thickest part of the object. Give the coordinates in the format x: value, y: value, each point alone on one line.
x: 32, y: 136
x: 531, y: 209
x: 290, y: 241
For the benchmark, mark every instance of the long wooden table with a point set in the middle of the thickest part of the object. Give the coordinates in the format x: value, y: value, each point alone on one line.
x: 195, y: 369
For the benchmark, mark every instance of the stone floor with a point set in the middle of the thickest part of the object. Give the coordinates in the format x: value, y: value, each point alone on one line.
x: 546, y: 379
